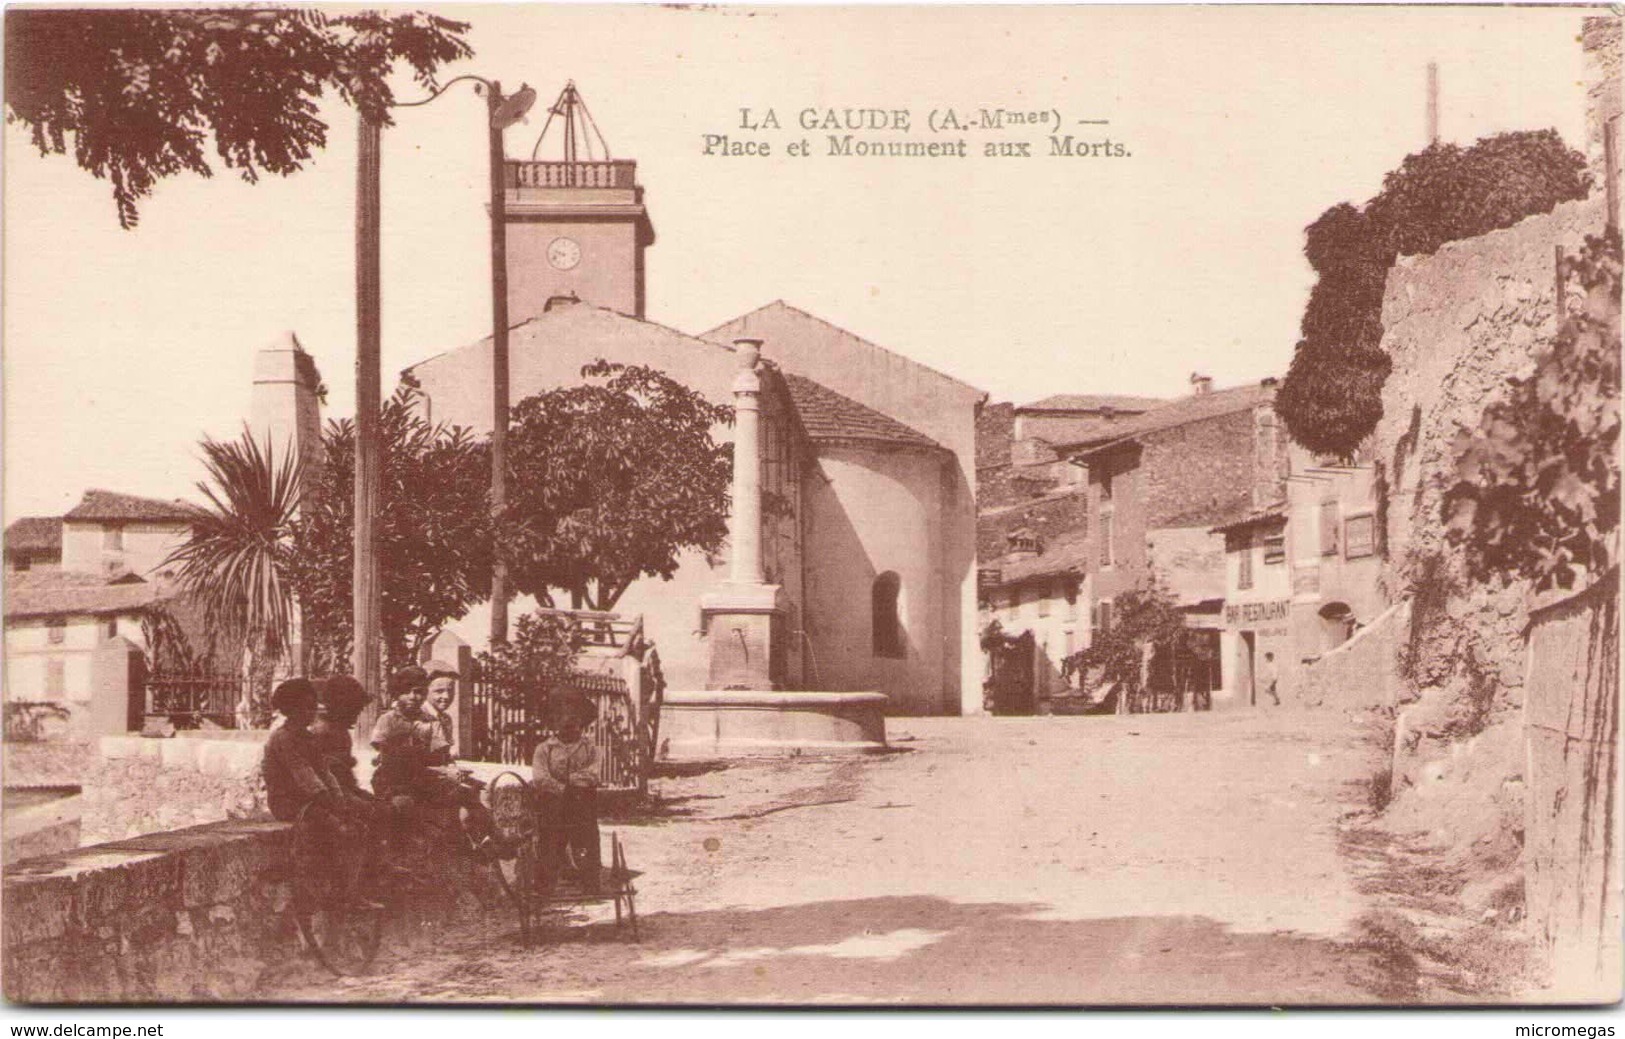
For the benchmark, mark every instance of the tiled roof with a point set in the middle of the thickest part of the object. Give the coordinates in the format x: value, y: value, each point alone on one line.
x: 1267, y: 514
x: 1194, y: 408
x: 830, y: 417
x: 110, y: 505
x: 35, y: 534
x: 1070, y: 556
x: 37, y: 593
x: 1092, y: 402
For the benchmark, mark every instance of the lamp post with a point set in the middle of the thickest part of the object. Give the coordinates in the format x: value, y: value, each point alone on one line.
x: 502, y: 113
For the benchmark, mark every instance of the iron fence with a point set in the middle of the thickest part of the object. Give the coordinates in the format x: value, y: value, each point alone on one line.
x: 194, y: 699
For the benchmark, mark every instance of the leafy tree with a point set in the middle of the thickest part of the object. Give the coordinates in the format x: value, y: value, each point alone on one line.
x: 1537, y: 491
x: 142, y: 90
x: 1145, y: 621
x: 433, y: 527
x: 234, y: 562
x: 1331, y: 398
x: 610, y: 481
x: 539, y: 655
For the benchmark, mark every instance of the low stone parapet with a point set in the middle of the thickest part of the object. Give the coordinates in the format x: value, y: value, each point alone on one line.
x: 199, y: 914
x: 723, y: 724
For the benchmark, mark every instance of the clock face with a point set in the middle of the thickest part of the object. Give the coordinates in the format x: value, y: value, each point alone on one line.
x: 563, y: 254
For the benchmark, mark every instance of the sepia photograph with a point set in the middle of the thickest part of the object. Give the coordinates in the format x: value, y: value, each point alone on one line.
x: 590, y: 505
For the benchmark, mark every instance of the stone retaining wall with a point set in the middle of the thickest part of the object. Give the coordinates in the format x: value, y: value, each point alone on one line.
x: 198, y: 914
x: 136, y: 785
x: 1364, y: 671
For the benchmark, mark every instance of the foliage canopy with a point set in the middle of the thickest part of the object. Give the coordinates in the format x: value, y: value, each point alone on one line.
x: 142, y: 90
x: 610, y: 481
x: 1143, y: 620
x: 1331, y: 398
x: 433, y: 530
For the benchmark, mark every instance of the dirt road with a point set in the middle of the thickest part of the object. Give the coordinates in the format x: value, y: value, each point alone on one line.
x: 1145, y: 860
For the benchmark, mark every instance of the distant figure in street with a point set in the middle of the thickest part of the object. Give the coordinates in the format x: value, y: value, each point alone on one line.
x: 564, y: 773
x: 1270, y: 679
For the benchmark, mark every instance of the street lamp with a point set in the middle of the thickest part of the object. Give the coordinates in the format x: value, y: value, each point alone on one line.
x: 503, y: 112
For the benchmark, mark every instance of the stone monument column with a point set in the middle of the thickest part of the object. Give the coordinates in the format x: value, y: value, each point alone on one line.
x: 744, y: 616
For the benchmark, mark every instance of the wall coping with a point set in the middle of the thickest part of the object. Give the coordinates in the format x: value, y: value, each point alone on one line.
x: 768, y: 698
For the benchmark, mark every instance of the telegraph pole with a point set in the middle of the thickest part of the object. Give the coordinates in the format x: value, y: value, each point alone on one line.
x: 497, y: 122
x: 365, y: 593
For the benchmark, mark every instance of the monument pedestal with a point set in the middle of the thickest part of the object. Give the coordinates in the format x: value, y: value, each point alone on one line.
x: 745, y: 636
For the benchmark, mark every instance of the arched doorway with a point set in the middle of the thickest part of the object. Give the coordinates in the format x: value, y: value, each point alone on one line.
x: 1336, y: 624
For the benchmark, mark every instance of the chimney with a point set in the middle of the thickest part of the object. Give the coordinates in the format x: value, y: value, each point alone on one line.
x: 1201, y: 384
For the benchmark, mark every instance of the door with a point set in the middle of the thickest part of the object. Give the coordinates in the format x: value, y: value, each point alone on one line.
x: 1014, y: 676
x: 1247, y: 649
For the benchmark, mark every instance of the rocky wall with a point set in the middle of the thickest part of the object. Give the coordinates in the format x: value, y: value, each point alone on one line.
x: 135, y: 785
x: 1457, y: 325
x: 199, y: 914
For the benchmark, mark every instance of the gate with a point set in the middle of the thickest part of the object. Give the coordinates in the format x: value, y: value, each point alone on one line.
x: 508, y: 725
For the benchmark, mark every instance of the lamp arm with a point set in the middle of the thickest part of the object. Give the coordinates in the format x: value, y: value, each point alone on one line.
x: 481, y: 80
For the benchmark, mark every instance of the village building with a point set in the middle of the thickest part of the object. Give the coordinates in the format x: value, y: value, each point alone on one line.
x: 1301, y: 577
x: 1155, y: 491
x: 34, y: 543
x: 861, y: 574
x: 105, y: 580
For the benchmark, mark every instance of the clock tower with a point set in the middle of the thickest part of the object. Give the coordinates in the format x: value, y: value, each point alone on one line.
x: 576, y: 224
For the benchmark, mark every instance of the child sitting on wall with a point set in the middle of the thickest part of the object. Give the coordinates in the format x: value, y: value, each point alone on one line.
x: 409, y: 746
x: 301, y: 790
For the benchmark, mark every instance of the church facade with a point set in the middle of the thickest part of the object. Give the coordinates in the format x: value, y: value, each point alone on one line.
x: 861, y: 575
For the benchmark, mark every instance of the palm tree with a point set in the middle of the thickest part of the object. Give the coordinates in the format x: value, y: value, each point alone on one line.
x: 234, y: 563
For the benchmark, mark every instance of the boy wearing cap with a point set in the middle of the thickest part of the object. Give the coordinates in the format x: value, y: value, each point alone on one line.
x: 564, y: 772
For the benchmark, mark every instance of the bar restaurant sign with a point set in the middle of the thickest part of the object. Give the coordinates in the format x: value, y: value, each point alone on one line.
x: 1252, y: 614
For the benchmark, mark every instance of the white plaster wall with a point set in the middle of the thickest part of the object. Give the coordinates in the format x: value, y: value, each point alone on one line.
x: 877, y: 511
x: 145, y: 546
x: 28, y: 649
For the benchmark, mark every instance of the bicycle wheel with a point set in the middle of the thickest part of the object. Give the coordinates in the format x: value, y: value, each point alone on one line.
x: 515, y: 823
x: 344, y: 938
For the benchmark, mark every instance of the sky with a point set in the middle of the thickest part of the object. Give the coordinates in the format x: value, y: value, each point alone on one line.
x: 1023, y: 277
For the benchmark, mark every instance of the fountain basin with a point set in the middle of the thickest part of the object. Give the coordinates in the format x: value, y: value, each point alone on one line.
x: 710, y: 724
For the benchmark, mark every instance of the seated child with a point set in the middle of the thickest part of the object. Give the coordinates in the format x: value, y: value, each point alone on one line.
x: 300, y: 789
x: 564, y: 773
x: 437, y: 707
x: 408, y: 773
x: 341, y: 702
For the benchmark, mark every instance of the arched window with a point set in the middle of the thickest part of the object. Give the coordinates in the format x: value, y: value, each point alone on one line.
x: 888, y: 628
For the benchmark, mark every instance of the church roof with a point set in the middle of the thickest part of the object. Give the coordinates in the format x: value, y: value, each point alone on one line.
x: 99, y: 505
x: 829, y: 417
x: 768, y: 315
